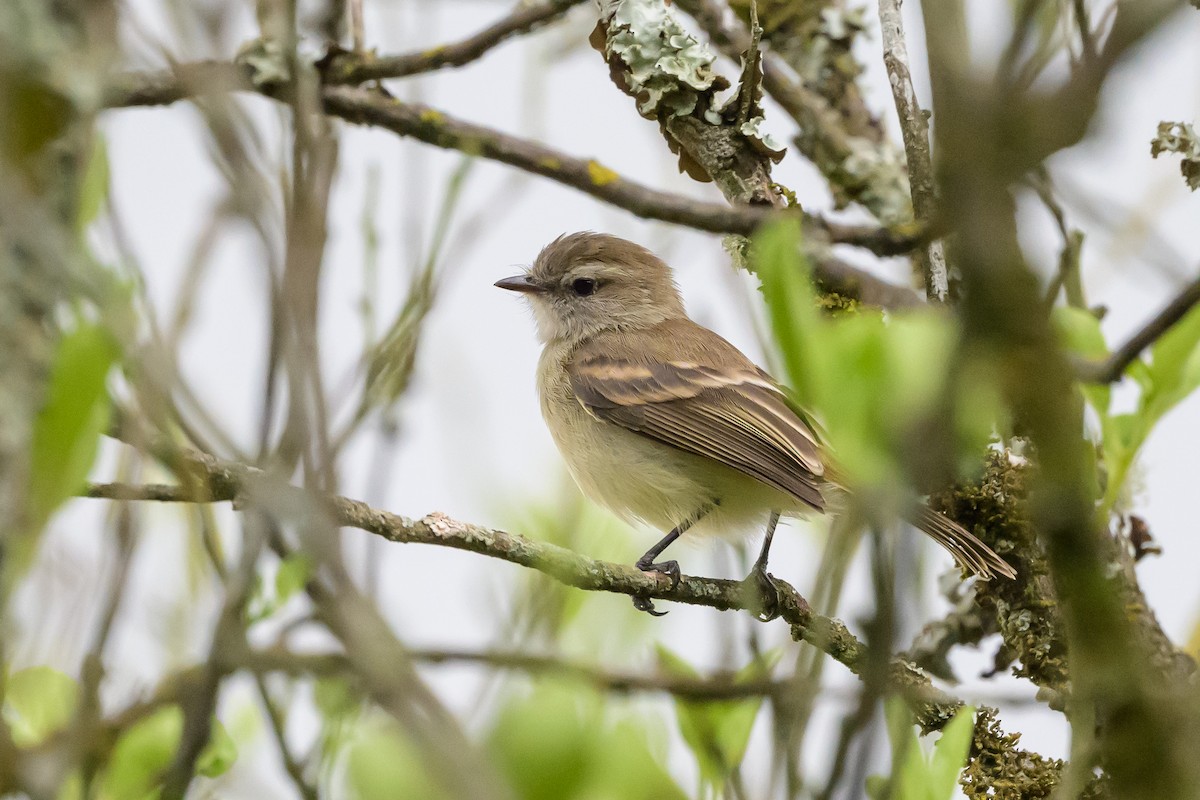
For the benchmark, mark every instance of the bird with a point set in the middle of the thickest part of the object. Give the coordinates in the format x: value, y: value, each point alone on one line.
x: 662, y: 420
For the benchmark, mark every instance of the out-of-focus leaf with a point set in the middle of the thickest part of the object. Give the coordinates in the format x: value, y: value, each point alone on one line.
x: 142, y: 754
x: 1079, y: 331
x: 219, y: 754
x: 67, y: 431
x: 1174, y: 367
x: 950, y: 754
x: 381, y: 765
x: 546, y: 743
x: 627, y: 769
x: 910, y: 773
x: 914, y: 775
x: 37, y: 702
x: 872, y: 382
x: 292, y: 576
x: 716, y: 731
x: 334, y: 698
x: 33, y: 113
x: 93, y: 191
x: 558, y: 744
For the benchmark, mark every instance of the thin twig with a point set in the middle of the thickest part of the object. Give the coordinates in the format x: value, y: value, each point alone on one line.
x: 1111, y: 369
x: 294, y: 768
x: 358, y: 67
x: 914, y: 130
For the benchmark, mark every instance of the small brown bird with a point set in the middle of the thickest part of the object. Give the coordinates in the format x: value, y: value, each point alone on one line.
x: 662, y: 420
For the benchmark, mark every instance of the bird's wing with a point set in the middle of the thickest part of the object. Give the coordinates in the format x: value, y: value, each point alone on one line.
x: 735, y: 415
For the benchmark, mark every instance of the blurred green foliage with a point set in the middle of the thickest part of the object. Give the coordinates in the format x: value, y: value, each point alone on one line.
x: 717, y: 732
x: 145, y: 750
x: 67, y: 430
x: 917, y: 775
x: 561, y: 742
x: 38, y: 701
x: 875, y: 382
x: 1167, y: 373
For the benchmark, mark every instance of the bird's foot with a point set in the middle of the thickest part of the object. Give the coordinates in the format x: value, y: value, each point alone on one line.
x: 759, y: 582
x: 668, y: 568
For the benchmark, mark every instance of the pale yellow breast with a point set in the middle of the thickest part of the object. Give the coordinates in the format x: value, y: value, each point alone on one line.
x: 637, y: 477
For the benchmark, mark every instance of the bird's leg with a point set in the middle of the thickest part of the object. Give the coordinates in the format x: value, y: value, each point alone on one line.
x: 669, y: 568
x: 763, y: 582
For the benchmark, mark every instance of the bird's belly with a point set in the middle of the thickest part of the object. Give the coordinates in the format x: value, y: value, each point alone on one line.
x: 639, y: 478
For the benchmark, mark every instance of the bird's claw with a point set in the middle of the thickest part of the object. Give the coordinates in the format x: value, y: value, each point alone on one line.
x: 767, y: 591
x: 647, y: 605
x: 668, y: 568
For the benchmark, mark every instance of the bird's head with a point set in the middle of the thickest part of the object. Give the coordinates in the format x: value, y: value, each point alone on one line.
x: 584, y: 283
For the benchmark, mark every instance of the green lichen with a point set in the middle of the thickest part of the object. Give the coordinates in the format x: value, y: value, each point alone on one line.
x: 835, y: 304
x: 994, y: 509
x: 1000, y: 770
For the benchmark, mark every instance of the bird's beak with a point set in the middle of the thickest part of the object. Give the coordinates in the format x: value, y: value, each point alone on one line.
x: 520, y: 283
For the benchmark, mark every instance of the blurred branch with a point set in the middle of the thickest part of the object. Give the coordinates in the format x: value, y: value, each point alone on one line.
x: 716, y: 687
x: 293, y: 767
x: 1111, y: 369
x: 353, y: 68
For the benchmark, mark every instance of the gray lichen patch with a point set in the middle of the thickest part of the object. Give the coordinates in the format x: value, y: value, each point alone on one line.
x: 669, y: 70
x: 1179, y: 137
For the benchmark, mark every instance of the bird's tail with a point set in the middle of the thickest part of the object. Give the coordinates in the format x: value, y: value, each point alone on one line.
x: 970, y: 553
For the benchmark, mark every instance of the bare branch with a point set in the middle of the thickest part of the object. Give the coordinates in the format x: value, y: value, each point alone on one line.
x: 914, y: 130
x: 352, y: 68
x: 1113, y: 367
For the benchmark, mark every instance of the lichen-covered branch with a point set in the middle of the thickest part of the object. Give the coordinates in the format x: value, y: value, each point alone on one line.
x: 220, y: 481
x: 859, y: 167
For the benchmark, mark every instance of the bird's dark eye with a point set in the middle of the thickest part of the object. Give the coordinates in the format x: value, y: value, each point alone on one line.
x: 583, y: 286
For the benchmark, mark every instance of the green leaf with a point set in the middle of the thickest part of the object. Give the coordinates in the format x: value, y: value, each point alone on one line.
x: 67, y: 430
x: 546, y: 743
x: 627, y: 769
x: 794, y: 318
x: 145, y: 751
x: 292, y: 576
x: 93, y: 191
x: 382, y: 765
x: 950, y: 754
x: 219, y: 754
x: 142, y: 755
x: 910, y: 772
x: 914, y: 776
x: 1079, y: 331
x: 38, y: 701
x: 717, y: 732
x: 1174, y: 367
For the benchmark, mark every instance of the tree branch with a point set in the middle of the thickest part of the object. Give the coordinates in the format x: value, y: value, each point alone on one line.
x: 914, y: 130
x: 1111, y: 369
x: 219, y: 481
x: 352, y: 68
